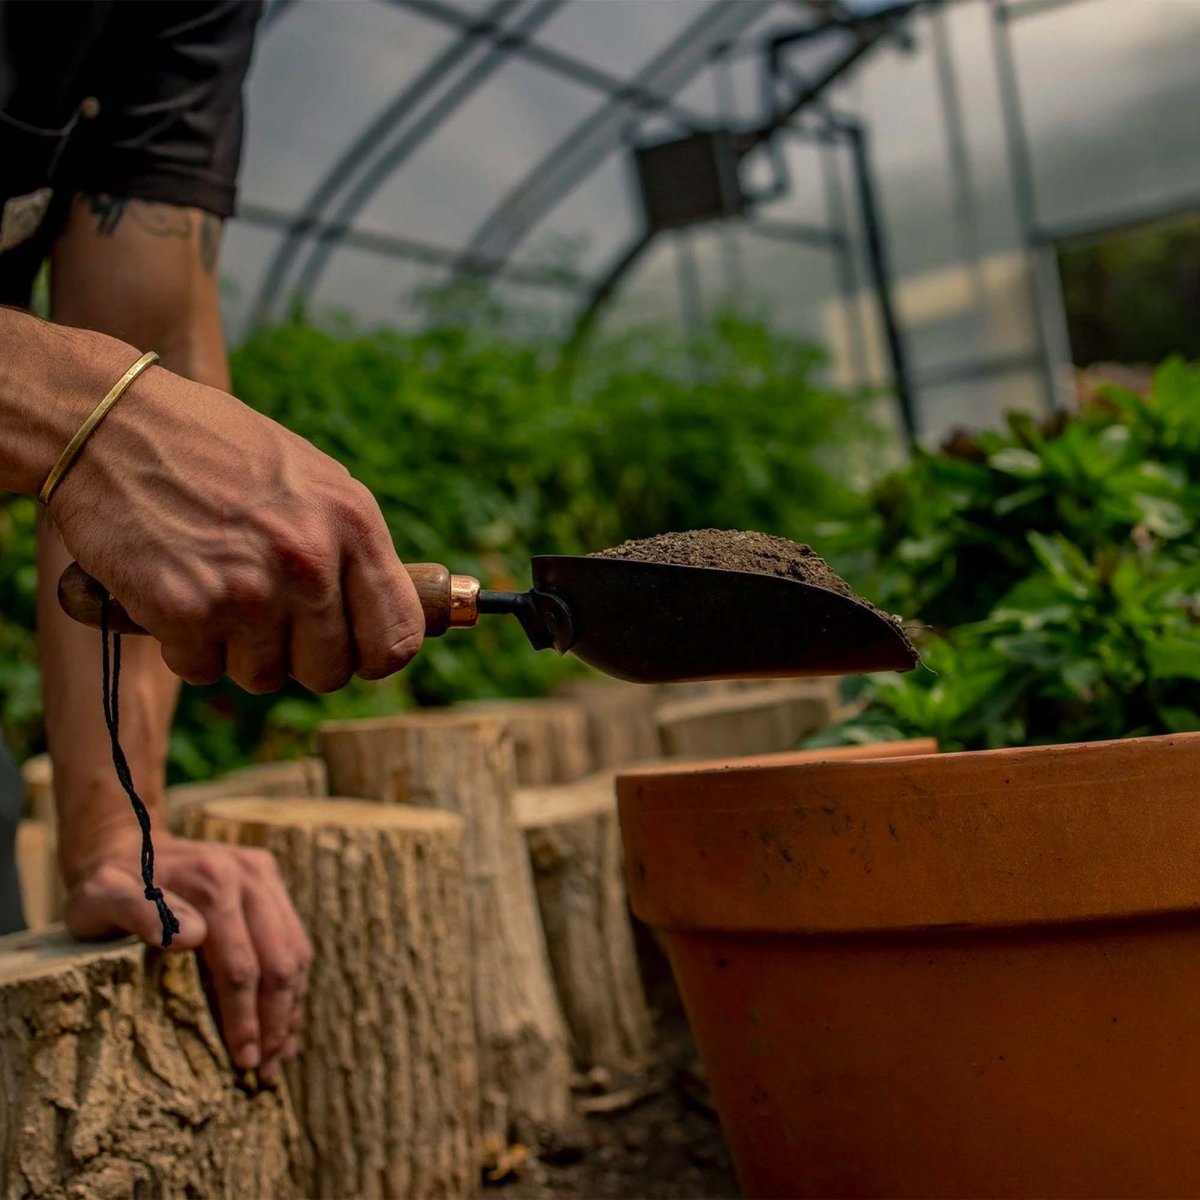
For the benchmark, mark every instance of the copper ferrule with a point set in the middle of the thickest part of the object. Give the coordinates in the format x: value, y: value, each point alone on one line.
x: 464, y: 601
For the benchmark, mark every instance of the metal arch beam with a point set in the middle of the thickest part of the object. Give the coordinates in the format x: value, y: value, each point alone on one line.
x: 410, y: 249
x: 586, y: 146
x: 569, y: 66
x: 628, y: 259
x: 411, y: 139
x: 868, y: 32
x: 353, y: 156
x: 602, y: 292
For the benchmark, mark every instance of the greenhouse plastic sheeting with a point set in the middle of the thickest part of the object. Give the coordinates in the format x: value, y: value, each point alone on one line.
x: 419, y: 138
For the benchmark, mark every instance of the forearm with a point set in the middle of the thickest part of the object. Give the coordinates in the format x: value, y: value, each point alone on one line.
x: 51, y: 378
x: 118, y: 283
x: 92, y: 807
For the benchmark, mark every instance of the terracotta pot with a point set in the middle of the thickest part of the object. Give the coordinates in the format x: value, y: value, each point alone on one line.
x: 939, y: 975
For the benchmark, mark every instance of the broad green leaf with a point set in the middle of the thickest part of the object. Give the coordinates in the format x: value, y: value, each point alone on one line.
x: 1016, y: 461
x: 1174, y: 657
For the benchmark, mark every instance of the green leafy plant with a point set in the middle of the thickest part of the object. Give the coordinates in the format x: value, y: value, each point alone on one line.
x: 1058, y: 568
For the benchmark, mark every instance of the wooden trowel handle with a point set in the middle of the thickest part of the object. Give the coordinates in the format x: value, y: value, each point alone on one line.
x: 449, y: 601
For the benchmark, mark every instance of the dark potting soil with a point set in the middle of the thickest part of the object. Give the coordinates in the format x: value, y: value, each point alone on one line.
x: 734, y: 550
x: 664, y: 1145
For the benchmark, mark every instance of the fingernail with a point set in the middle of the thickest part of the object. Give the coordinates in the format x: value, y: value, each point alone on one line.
x: 269, y: 1072
x: 248, y: 1056
x: 291, y: 1048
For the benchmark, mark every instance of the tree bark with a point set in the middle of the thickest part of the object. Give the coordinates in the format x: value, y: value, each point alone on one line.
x: 38, y: 777
x: 114, y: 1081
x: 463, y: 763
x: 42, y: 891
x: 294, y: 777
x: 550, y: 738
x: 575, y: 848
x: 385, y: 1088
x: 770, y: 716
x: 620, y: 719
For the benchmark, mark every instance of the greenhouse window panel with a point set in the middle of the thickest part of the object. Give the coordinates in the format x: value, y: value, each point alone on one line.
x: 302, y: 111
x: 397, y: 131
x: 623, y: 46
x: 579, y: 70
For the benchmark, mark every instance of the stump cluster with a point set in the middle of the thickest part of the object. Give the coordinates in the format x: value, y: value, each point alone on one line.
x: 460, y: 876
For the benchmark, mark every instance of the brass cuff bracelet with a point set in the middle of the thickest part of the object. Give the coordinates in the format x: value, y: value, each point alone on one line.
x: 75, y: 445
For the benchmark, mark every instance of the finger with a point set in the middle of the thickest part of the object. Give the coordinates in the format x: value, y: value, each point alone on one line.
x: 279, y: 960
x: 113, y: 901
x: 322, y: 655
x: 256, y: 657
x: 232, y: 962
x: 195, y: 662
x: 386, y: 620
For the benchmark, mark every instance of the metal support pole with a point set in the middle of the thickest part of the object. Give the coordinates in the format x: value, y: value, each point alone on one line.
x: 1045, y: 287
x: 731, y: 251
x: 962, y: 183
x: 877, y: 263
x: 857, y: 364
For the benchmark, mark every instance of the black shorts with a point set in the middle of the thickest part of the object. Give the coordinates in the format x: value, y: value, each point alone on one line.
x: 124, y: 97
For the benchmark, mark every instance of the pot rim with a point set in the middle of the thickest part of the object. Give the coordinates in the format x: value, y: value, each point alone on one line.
x: 1042, y: 835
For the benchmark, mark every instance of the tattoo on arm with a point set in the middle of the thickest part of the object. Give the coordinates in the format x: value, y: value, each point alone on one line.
x: 160, y: 220
x: 210, y: 241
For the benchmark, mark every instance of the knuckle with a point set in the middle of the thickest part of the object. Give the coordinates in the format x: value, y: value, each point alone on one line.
x: 396, y: 653
x: 263, y: 683
x: 260, y: 677
x: 309, y: 563
x: 213, y: 876
x: 360, y: 514
x: 250, y: 588
x: 104, y: 880
x: 279, y: 975
x: 300, y: 546
x: 261, y: 862
x: 197, y: 675
x: 239, y: 973
x: 327, y: 678
x: 176, y: 603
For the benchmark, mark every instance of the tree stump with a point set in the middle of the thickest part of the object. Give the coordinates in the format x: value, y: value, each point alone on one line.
x: 550, y: 737
x: 42, y: 891
x: 385, y: 1088
x: 37, y: 773
x: 294, y: 777
x: 463, y: 763
x: 733, y: 722
x: 620, y: 718
x: 575, y: 848
x: 115, y: 1082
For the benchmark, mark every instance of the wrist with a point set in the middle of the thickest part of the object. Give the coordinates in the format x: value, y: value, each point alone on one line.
x: 103, y: 827
x: 51, y: 378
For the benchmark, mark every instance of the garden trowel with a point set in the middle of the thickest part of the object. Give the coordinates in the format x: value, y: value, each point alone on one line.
x: 642, y: 621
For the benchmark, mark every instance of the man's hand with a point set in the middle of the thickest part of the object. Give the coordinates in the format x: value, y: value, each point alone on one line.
x: 232, y: 905
x: 237, y: 544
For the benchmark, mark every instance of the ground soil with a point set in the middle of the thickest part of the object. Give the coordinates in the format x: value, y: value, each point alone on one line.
x: 734, y: 550
x: 662, y: 1142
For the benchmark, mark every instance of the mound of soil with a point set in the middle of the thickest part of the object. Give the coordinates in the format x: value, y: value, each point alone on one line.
x: 734, y: 550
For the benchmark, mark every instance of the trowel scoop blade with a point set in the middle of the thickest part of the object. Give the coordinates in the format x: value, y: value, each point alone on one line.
x: 660, y: 623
